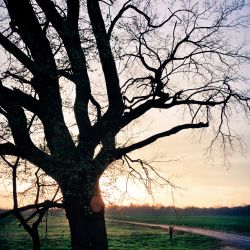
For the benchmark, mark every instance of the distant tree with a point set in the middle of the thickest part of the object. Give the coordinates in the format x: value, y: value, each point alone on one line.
x: 124, y: 59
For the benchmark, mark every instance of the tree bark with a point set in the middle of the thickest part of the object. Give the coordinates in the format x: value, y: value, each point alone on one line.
x: 36, y: 241
x: 87, y: 224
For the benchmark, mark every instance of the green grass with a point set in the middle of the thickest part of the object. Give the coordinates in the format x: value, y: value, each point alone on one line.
x: 13, y: 237
x: 232, y: 224
x: 121, y: 237
x: 124, y: 237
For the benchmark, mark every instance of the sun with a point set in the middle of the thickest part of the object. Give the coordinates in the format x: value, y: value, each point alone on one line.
x: 123, y: 191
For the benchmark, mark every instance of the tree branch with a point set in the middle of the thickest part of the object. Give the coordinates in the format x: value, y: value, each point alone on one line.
x: 68, y: 31
x: 45, y: 204
x: 17, y: 97
x: 73, y: 12
x: 17, y: 53
x: 149, y: 21
x: 24, y: 146
x: 107, y: 59
x: 9, y: 149
x: 52, y: 14
x: 24, y: 20
x: 122, y: 151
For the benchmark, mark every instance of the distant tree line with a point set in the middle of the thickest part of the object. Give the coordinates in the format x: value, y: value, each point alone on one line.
x: 171, y: 210
x: 162, y: 210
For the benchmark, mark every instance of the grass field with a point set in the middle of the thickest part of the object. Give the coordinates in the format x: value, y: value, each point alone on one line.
x: 121, y: 237
x: 232, y: 224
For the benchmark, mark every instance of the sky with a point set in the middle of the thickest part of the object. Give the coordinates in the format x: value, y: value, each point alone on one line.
x: 203, y: 179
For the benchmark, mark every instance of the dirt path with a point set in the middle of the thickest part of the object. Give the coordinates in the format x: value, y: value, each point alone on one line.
x: 232, y: 239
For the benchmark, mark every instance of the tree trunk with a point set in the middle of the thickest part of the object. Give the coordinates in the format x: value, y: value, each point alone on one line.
x: 87, y: 224
x: 36, y: 241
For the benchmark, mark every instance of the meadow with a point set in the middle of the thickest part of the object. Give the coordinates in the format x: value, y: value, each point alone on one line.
x: 230, y: 224
x: 121, y: 236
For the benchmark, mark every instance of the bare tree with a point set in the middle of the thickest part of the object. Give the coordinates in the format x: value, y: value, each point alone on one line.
x: 124, y: 59
x: 30, y: 216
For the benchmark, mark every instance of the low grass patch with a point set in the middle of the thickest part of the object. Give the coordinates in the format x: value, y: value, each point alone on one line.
x: 121, y: 237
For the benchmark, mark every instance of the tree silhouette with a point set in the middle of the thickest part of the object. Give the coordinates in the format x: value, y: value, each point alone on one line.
x: 124, y: 58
